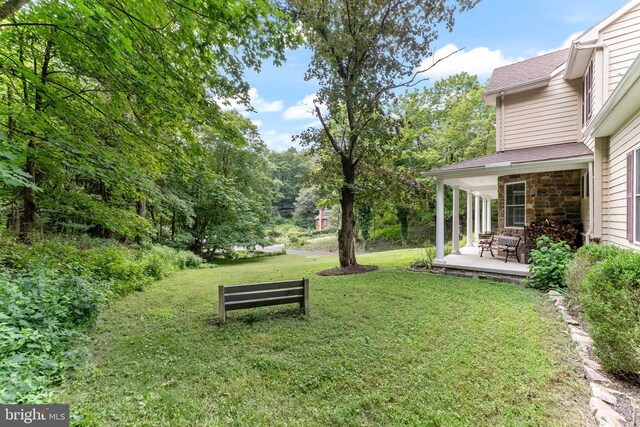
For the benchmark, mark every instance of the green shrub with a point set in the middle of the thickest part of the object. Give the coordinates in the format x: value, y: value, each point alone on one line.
x: 610, y: 297
x: 52, y: 291
x: 391, y: 233
x: 39, y: 313
x: 549, y: 262
x: 585, y: 258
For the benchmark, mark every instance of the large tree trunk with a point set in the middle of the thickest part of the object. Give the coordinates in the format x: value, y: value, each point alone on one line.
x: 9, y: 7
x: 346, y: 236
x: 29, y: 194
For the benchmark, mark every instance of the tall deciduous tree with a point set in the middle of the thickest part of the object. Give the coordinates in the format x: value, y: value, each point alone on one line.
x: 364, y: 50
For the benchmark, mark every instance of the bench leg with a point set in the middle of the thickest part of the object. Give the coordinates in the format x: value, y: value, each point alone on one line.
x: 222, y: 314
x: 506, y: 256
x: 491, y: 252
x: 304, y: 305
x: 517, y: 256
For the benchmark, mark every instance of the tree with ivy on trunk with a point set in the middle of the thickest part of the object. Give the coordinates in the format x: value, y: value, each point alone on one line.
x: 363, y: 51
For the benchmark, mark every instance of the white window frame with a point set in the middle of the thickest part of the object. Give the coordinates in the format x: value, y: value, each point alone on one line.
x: 636, y: 195
x: 506, y: 206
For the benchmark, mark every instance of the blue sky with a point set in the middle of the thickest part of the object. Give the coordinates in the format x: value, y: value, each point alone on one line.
x: 493, y: 34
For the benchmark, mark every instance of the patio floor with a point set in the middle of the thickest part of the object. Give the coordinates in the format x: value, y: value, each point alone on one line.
x: 470, y: 260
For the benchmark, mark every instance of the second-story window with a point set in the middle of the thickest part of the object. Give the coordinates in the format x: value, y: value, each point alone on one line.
x: 587, y: 96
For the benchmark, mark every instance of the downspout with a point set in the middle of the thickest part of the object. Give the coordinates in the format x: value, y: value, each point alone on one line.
x: 501, y: 121
x: 591, y: 204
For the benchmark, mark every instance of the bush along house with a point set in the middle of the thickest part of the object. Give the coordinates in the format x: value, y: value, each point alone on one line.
x: 567, y: 155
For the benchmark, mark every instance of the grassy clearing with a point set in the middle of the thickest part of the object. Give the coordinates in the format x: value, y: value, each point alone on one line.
x: 383, y: 348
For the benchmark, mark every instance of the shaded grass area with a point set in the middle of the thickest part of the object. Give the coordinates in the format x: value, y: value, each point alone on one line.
x: 383, y: 348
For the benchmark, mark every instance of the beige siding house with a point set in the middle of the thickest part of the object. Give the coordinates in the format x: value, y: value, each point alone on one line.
x: 567, y: 143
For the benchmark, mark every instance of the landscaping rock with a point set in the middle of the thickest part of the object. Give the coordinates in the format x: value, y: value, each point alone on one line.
x: 559, y: 302
x: 604, y: 414
x: 554, y: 294
x: 592, y: 364
x: 568, y: 318
x: 578, y: 331
x: 585, y: 340
x: 603, y: 394
x: 595, y: 376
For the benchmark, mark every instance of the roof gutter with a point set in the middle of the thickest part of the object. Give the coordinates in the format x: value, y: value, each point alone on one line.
x: 517, y: 88
x: 576, y: 46
x: 510, y: 168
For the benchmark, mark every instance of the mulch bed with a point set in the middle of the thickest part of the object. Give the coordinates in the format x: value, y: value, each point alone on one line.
x: 354, y: 269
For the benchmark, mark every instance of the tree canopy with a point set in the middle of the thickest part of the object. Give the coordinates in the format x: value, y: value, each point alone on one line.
x: 362, y: 52
x: 103, y: 100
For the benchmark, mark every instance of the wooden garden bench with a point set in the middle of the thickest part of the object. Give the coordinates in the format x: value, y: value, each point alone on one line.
x: 262, y: 295
x: 508, y: 244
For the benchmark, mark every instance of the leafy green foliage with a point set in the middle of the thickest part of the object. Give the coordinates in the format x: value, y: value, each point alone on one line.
x: 609, y: 291
x: 306, y: 208
x: 364, y: 219
x: 549, y: 263
x: 52, y: 292
x: 585, y: 258
x: 103, y: 101
x: 40, y: 312
x: 290, y: 169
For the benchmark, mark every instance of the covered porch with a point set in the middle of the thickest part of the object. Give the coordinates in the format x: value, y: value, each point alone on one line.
x: 530, y: 184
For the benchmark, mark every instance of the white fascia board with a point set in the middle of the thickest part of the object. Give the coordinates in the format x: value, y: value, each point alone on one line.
x: 581, y: 162
x: 490, y: 97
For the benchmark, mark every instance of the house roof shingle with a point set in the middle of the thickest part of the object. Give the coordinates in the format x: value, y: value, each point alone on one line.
x: 522, y: 155
x: 528, y: 71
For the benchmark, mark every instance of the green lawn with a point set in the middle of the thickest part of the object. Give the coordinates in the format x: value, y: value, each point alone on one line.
x: 383, y: 348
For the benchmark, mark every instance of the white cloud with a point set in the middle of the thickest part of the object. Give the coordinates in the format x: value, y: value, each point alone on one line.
x: 277, y: 141
x: 303, y: 110
x: 564, y: 45
x: 480, y: 61
x: 259, y: 104
x: 257, y: 123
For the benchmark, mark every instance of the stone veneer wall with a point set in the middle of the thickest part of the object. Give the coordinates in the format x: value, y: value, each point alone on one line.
x: 549, y: 195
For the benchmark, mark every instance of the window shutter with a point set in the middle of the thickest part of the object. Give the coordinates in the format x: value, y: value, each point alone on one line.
x: 630, y: 196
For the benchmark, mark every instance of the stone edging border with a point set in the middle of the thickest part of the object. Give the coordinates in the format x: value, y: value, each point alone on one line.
x: 602, y: 398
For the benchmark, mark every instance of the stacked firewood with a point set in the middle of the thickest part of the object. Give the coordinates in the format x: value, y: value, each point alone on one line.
x: 557, y: 232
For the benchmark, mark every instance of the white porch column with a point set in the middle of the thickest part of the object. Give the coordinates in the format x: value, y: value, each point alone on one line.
x: 440, y: 224
x: 476, y: 219
x: 469, y: 219
x: 455, y: 233
x: 489, y: 214
x: 484, y: 215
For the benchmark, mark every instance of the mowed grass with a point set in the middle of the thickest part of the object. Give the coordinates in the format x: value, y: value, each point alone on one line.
x: 384, y: 348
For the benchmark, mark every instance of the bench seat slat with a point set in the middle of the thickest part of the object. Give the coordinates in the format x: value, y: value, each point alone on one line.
x: 262, y: 286
x: 246, y: 296
x: 237, y: 305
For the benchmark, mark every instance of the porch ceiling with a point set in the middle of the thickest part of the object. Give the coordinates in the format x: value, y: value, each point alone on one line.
x: 486, y: 186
